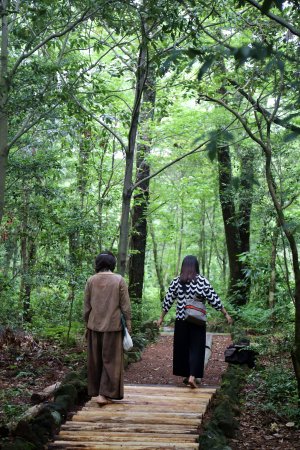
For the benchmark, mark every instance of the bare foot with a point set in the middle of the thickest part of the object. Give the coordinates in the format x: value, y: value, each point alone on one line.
x: 192, y: 382
x: 102, y: 400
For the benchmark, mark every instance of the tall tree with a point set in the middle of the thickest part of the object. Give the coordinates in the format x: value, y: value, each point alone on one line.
x: 236, y: 217
x: 141, y: 197
x: 24, y: 60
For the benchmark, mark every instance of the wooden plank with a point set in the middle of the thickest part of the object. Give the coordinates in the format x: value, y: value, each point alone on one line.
x: 158, y: 399
x: 128, y: 445
x: 138, y: 428
x: 131, y: 412
x: 192, y: 394
x: 150, y: 419
x: 167, y: 388
x: 144, y: 407
x: 121, y: 437
x: 154, y: 401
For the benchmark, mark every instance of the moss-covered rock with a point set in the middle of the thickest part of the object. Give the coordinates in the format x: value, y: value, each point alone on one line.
x: 19, y: 444
x: 44, y: 425
x: 223, y: 423
x: 150, y: 330
x: 67, y: 390
x: 213, y: 438
x: 25, y: 431
x: 133, y: 356
x: 33, y: 433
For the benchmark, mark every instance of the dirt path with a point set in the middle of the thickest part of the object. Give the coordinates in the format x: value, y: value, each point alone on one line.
x: 155, y: 367
x: 258, y: 430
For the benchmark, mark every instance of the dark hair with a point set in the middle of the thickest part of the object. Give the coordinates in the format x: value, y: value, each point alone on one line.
x: 189, y: 269
x: 105, y: 261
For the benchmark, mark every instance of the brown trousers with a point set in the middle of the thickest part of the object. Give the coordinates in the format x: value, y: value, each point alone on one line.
x: 105, y: 364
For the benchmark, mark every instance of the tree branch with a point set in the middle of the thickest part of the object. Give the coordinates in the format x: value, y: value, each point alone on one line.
x: 277, y: 19
x: 199, y: 148
x: 238, y: 116
x: 262, y: 110
x: 86, y: 15
x: 103, y: 124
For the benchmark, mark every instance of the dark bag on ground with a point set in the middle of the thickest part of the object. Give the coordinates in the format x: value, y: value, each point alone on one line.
x: 239, y: 353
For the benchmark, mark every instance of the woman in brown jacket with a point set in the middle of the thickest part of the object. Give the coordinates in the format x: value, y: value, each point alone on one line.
x: 106, y: 297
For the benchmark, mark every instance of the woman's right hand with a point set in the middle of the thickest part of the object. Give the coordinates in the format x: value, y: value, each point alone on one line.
x: 229, y: 319
x: 159, y: 322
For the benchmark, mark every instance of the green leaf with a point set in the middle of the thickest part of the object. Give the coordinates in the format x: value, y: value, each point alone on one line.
x: 291, y: 136
x: 266, y: 6
x: 212, y: 146
x: 254, y: 51
x: 204, y: 68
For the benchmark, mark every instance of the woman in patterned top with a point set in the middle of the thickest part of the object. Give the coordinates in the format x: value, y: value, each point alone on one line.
x: 189, y: 339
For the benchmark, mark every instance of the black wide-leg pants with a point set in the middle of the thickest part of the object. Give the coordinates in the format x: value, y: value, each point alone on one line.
x: 188, y: 349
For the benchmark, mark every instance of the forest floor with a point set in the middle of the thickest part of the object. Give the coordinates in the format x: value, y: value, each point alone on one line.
x: 28, y: 366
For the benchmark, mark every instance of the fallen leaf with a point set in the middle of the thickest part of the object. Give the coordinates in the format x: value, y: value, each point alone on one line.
x: 290, y: 424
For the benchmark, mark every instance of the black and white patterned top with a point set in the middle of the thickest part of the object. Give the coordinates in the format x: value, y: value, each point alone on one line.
x: 177, y: 290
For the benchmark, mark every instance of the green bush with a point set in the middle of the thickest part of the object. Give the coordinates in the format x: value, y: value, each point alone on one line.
x: 277, y: 386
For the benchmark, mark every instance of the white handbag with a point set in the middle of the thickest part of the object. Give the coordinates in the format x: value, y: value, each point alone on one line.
x: 127, y: 341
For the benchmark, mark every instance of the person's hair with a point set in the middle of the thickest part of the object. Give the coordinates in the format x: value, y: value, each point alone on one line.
x: 189, y: 269
x: 105, y: 261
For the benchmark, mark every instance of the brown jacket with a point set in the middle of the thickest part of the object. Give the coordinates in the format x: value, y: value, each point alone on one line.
x: 105, y: 297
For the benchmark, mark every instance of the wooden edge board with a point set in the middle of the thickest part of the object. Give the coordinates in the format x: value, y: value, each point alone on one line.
x: 128, y: 445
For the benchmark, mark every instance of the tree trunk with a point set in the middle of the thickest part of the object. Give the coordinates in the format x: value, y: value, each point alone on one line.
x: 3, y: 101
x: 157, y: 264
x: 141, y: 75
x: 236, y: 221
x: 272, y: 283
x: 246, y: 200
x: 211, y: 241
x: 295, y: 260
x: 141, y: 198
x: 230, y: 227
x: 178, y: 265
x: 202, y: 238
x: 28, y: 253
x: 83, y: 160
x: 74, y: 261
x: 103, y: 190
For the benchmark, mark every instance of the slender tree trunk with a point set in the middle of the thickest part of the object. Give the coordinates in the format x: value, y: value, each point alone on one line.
x: 141, y: 198
x: 157, y: 263
x: 3, y: 100
x: 202, y: 237
x: 180, y: 239
x: 272, y: 283
x: 246, y: 200
x: 28, y: 252
x: 211, y: 241
x: 224, y: 263
x: 295, y: 260
x: 229, y: 219
x: 83, y: 160
x: 74, y: 262
x: 141, y: 75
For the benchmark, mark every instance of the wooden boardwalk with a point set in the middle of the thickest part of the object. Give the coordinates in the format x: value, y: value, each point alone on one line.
x: 149, y: 417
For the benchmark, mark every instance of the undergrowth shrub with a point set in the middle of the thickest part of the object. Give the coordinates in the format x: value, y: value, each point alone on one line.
x: 276, y: 386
